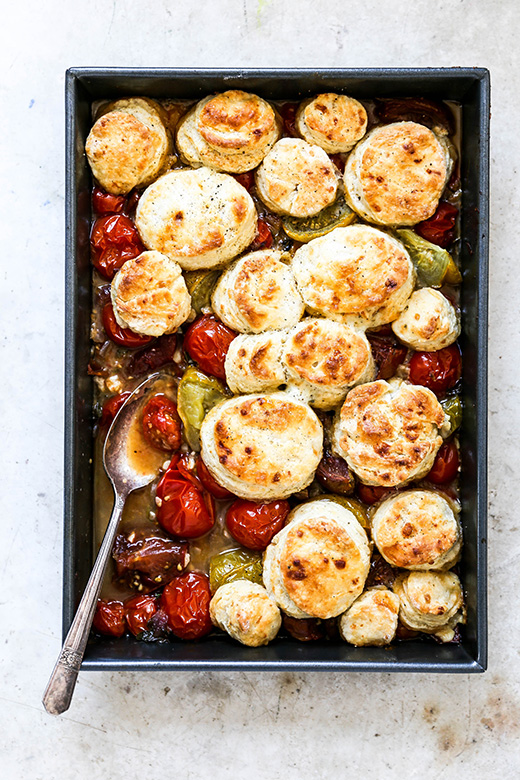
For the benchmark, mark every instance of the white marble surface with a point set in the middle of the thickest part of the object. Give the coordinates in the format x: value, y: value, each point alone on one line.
x: 195, y: 725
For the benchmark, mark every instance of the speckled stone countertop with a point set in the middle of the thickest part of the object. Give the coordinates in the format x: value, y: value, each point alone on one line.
x: 230, y: 725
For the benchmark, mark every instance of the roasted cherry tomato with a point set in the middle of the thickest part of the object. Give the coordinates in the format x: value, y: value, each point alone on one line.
x: 183, y: 509
x: 138, y: 611
x: 254, y: 525
x: 437, y: 370
x: 109, y: 618
x: 439, y: 229
x: 371, y: 494
x: 105, y: 203
x: 132, y: 199
x: 186, y: 602
x: 207, y: 342
x: 288, y: 114
x: 209, y: 483
x: 246, y: 179
x: 263, y: 238
x: 158, y: 354
x: 334, y: 474
x: 114, y: 240
x: 125, y: 337
x: 388, y: 353
x: 161, y: 423
x: 446, y: 465
x: 111, y: 407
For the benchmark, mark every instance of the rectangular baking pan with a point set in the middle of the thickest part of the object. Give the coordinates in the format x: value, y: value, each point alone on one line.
x: 470, y: 87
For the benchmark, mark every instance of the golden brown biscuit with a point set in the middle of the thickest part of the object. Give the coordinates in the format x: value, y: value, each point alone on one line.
x: 149, y: 295
x: 199, y: 218
x: 258, y: 293
x: 428, y: 322
x: 128, y: 146
x: 396, y: 174
x: 372, y: 619
x: 356, y: 274
x: 253, y: 362
x: 417, y: 530
x: 388, y: 432
x: 318, y: 563
x: 323, y: 359
x: 296, y: 178
x: 431, y: 601
x: 334, y: 122
x: 262, y: 446
x: 244, y: 610
x: 231, y: 131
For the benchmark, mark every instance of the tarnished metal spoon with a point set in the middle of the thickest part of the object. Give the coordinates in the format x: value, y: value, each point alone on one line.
x: 127, y: 472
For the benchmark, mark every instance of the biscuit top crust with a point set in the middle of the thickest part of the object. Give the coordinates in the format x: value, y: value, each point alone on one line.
x: 127, y: 145
x: 428, y: 322
x: 326, y: 353
x: 388, y: 432
x: 321, y: 565
x: 233, y: 120
x: 353, y: 270
x: 261, y: 285
x: 149, y: 295
x: 334, y: 122
x: 200, y: 218
x: 274, y: 432
x: 402, y: 171
x: 431, y: 594
x: 296, y: 178
x: 415, y: 528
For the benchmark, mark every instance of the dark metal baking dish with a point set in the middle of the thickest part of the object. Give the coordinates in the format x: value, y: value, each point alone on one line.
x: 468, y: 86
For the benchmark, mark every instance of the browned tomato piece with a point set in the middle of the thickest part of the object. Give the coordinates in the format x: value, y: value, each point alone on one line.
x: 439, y: 229
x: 334, y: 475
x: 109, y: 618
x: 304, y: 630
x: 138, y: 612
x: 147, y: 559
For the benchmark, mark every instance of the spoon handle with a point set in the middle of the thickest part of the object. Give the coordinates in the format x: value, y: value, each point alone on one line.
x: 60, y: 688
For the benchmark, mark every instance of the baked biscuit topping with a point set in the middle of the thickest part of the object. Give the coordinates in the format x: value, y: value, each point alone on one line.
x: 334, y: 122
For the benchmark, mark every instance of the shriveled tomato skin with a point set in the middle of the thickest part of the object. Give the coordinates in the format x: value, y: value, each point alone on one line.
x: 446, y: 465
x: 124, y: 337
x: 183, y: 509
x: 246, y: 179
x: 162, y: 424
x: 185, y: 600
x: 439, y: 371
x: 263, y: 238
x: 388, y: 352
x: 440, y: 228
x: 114, y: 240
x: 105, y: 203
x: 109, y: 618
x: 371, y: 494
x: 288, y: 114
x: 111, y: 407
x: 254, y: 525
x: 207, y: 341
x: 209, y: 483
x: 138, y: 611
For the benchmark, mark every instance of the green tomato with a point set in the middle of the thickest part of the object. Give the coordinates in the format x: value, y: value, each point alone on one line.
x: 196, y: 395
x: 453, y: 408
x: 338, y: 214
x: 235, y: 565
x: 433, y: 264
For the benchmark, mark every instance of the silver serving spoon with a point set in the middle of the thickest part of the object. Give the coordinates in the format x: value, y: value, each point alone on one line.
x: 126, y: 474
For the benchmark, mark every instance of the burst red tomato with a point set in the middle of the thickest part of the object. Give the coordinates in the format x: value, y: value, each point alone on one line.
x: 183, y: 509
x: 161, y: 423
x: 138, y: 611
x: 105, y: 203
x: 209, y: 483
x: 439, y: 229
x: 446, y: 465
x: 207, y: 342
x: 437, y: 370
x: 125, y: 337
x: 114, y: 240
x: 254, y: 525
x: 371, y: 494
x: 388, y: 353
x: 185, y: 601
x: 111, y: 407
x: 263, y: 238
x: 109, y: 618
